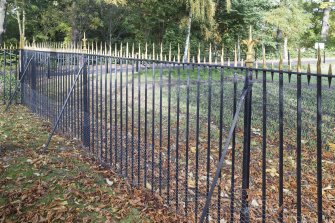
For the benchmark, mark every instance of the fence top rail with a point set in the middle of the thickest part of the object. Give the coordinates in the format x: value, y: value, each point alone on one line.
x: 192, y: 64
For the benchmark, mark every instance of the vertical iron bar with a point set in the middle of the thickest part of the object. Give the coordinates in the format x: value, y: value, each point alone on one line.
x: 197, y: 147
x: 153, y: 130
x: 299, y: 127
x: 264, y: 145
x: 97, y: 106
x: 161, y: 132
x: 4, y: 74
x: 93, y: 105
x: 127, y: 113
x: 121, y: 115
x: 145, y: 126
x: 106, y: 109
x: 139, y: 130
x: 245, y: 212
x: 10, y: 73
x: 115, y: 116
x: 101, y: 110
x: 281, y: 145
x: 187, y: 139
x: 220, y: 142
x: 111, y: 112
x: 132, y: 121
x: 86, y: 132
x: 232, y: 200
x: 319, y: 146
x: 33, y: 84
x: 209, y: 110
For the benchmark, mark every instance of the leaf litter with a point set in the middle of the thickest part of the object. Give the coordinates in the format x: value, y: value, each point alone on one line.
x: 64, y: 185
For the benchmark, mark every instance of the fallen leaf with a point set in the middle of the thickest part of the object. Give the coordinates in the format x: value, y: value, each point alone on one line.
x: 148, y: 186
x: 191, y: 183
x: 223, y: 220
x: 272, y: 172
x: 331, y: 146
x: 110, y: 183
x: 254, y: 203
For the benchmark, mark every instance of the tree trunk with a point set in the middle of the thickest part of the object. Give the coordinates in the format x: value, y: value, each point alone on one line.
x: 325, y: 24
x: 188, y: 35
x: 285, y: 47
x: 278, y: 38
x: 2, y: 18
x: 21, y: 21
x: 74, y: 27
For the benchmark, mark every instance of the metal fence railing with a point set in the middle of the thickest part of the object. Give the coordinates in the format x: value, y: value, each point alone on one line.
x: 165, y: 126
x: 9, y: 61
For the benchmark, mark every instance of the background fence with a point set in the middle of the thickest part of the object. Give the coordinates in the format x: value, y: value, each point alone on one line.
x: 164, y: 125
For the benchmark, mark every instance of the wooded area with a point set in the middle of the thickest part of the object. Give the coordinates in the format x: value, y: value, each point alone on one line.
x: 278, y: 24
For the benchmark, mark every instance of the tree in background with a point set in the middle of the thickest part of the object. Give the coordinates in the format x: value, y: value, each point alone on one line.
x: 234, y: 26
x: 289, y: 18
x: 185, y: 22
x: 326, y: 6
x: 201, y: 10
x: 3, y: 10
x: 20, y: 9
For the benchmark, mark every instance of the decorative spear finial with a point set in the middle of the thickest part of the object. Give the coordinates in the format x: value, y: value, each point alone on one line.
x: 250, y: 53
x: 85, y: 43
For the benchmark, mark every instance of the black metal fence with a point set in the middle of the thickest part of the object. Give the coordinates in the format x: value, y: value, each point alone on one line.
x: 247, y: 144
x: 9, y: 61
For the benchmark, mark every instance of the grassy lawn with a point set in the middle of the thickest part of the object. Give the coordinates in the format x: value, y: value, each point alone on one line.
x: 63, y: 185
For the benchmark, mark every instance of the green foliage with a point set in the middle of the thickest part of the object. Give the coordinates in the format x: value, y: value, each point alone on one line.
x: 133, y: 21
x: 290, y: 18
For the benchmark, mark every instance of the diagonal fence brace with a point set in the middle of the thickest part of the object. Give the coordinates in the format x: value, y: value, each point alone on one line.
x: 63, y: 108
x: 18, y: 85
x: 224, y: 152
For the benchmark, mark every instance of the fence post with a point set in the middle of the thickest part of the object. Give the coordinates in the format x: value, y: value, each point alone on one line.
x: 245, y: 213
x: 86, y: 125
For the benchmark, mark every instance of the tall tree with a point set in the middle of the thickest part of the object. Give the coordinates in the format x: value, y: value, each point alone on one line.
x: 200, y: 10
x: 291, y: 19
x: 327, y: 7
x: 3, y: 9
x: 20, y: 9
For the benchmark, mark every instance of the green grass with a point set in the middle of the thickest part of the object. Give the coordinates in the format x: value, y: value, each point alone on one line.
x: 290, y: 100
